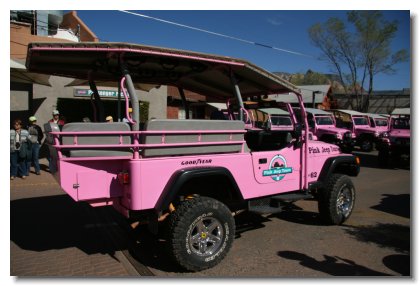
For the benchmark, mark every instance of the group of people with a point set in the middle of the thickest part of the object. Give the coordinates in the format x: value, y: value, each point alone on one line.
x: 25, y: 145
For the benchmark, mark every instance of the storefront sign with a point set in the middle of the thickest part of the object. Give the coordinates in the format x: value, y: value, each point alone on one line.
x: 102, y: 93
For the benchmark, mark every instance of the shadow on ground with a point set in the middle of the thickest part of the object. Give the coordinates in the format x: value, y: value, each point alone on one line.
x: 399, y: 263
x: 301, y: 217
x: 393, y: 236
x: 395, y: 204
x: 57, y: 222
x: 333, y: 265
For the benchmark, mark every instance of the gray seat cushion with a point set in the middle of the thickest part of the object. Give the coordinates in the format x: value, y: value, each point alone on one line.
x: 168, y: 124
x: 93, y: 139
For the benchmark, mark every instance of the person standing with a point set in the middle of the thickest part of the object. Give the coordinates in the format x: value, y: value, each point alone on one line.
x: 60, y: 122
x: 36, y: 136
x: 130, y: 114
x: 18, y: 138
x: 56, y: 118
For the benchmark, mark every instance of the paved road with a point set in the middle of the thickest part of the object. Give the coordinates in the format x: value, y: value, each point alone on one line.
x: 53, y: 236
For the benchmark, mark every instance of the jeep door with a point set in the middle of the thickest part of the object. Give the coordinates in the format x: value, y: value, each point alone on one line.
x: 281, y: 168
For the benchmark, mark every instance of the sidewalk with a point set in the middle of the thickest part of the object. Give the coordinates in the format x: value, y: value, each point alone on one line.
x: 51, y: 235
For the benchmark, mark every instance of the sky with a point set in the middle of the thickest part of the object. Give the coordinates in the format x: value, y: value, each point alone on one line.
x: 286, y: 31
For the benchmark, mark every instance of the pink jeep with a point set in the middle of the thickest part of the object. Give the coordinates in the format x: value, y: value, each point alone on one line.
x: 379, y: 122
x: 195, y: 174
x: 395, y: 144
x: 322, y: 124
x: 358, y: 123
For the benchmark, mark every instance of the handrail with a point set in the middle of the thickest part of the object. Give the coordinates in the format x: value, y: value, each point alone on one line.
x: 127, y: 115
x: 154, y: 145
x: 153, y: 132
x: 163, y: 134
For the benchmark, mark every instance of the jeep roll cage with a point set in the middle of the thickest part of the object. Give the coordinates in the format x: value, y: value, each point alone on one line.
x: 216, y: 77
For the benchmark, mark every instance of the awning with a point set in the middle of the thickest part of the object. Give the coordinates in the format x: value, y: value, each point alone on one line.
x: 19, y: 73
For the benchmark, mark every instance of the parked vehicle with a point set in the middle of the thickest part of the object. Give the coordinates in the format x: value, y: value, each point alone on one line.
x: 357, y: 123
x: 395, y: 144
x: 195, y: 175
x: 379, y: 122
x: 323, y: 125
x: 277, y: 119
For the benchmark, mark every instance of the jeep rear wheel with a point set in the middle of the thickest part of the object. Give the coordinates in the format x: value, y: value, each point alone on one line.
x: 201, y: 233
x: 336, y: 200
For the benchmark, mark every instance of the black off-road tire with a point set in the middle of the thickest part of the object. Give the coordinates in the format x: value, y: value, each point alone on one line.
x: 193, y: 242
x: 336, y: 200
x: 383, y: 158
x: 366, y: 145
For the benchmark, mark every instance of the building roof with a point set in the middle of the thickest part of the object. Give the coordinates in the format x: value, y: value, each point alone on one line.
x: 316, y: 111
x: 307, y: 94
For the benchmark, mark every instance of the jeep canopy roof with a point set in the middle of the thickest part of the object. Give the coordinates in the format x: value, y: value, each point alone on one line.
x: 206, y: 74
x: 401, y: 111
x: 376, y: 116
x: 274, y: 111
x: 316, y: 111
x: 351, y: 112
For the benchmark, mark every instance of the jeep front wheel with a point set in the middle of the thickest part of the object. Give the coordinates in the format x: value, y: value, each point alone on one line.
x: 201, y: 233
x: 366, y: 145
x: 336, y: 200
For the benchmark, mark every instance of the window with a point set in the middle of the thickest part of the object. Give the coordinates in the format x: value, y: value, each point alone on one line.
x: 324, y: 120
x: 360, y: 121
x: 381, y: 122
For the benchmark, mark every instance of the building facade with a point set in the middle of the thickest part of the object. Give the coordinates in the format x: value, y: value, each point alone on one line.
x: 27, y: 99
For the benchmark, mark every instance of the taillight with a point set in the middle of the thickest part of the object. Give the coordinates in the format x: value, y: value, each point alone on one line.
x: 124, y: 178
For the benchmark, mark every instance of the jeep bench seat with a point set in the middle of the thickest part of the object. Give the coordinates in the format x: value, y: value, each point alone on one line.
x: 191, y: 125
x: 96, y: 139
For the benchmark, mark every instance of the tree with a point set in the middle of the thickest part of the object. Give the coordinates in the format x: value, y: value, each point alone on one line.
x: 360, y: 55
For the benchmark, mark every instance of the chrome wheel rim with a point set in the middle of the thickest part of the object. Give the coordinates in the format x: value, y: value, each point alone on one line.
x: 344, y: 201
x: 206, y: 236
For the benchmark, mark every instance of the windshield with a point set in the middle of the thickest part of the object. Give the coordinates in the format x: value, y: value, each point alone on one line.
x: 381, y: 122
x: 281, y: 120
x: 324, y: 120
x: 360, y: 121
x: 401, y: 123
